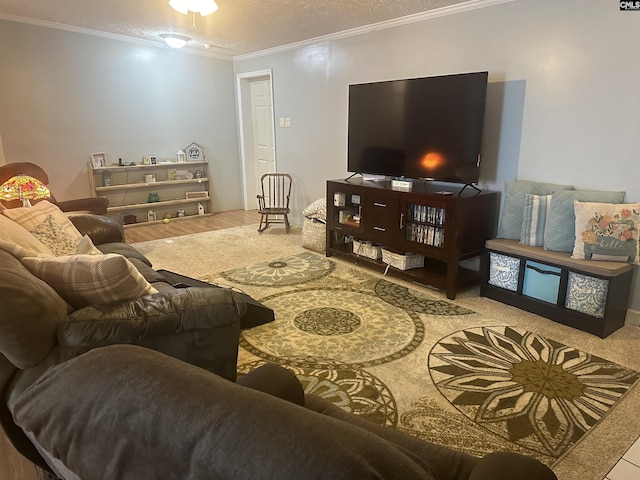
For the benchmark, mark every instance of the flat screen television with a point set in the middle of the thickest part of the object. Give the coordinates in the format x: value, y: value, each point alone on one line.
x: 421, y: 128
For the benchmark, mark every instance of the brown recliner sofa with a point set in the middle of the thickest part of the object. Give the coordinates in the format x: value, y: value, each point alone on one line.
x: 197, y: 325
x: 124, y: 412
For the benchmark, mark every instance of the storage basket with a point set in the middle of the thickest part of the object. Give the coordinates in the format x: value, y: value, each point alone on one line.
x: 314, y: 235
x: 368, y: 250
x: 405, y: 261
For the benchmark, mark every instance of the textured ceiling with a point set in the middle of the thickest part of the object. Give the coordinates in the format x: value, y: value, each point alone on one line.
x: 238, y: 27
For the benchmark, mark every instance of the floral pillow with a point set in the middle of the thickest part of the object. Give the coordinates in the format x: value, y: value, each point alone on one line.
x: 607, y: 231
x: 49, y: 225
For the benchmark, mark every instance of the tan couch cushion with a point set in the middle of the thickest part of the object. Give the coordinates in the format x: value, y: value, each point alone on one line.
x: 84, y: 280
x: 47, y: 222
x: 14, y: 235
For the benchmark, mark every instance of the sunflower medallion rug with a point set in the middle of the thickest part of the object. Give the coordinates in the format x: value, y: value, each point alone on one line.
x: 400, y: 357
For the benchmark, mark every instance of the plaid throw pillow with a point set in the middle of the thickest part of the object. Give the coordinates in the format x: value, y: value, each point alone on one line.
x: 84, y: 279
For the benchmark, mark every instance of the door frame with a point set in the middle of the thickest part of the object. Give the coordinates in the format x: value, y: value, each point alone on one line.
x: 244, y: 123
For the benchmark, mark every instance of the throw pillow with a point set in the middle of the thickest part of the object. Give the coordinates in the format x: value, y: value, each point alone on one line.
x: 32, y: 217
x: 13, y: 235
x: 513, y: 207
x: 86, y: 246
x: 535, y: 219
x: 606, y: 231
x: 84, y: 280
x: 55, y: 237
x: 560, y: 234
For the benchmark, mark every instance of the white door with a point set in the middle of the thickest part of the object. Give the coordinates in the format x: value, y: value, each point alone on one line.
x: 262, y: 123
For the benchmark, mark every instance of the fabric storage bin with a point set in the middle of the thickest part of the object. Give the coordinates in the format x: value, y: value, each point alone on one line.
x: 503, y: 271
x: 367, y: 249
x: 541, y: 281
x: 314, y: 235
x: 587, y: 294
x: 401, y: 261
x: 314, y: 228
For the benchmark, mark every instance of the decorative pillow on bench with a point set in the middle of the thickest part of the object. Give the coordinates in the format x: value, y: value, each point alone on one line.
x: 514, y: 200
x: 560, y: 234
x: 535, y: 219
x: 606, y: 231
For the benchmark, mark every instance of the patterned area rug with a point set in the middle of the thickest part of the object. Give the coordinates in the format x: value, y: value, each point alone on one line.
x: 403, y: 358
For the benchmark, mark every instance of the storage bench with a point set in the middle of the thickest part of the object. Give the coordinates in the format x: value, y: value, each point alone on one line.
x: 589, y: 295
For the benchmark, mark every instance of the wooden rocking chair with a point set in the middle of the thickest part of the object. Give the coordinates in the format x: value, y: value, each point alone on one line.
x: 274, y: 201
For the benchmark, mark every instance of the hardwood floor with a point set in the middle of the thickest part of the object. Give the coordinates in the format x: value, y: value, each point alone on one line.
x: 189, y: 225
x: 15, y: 467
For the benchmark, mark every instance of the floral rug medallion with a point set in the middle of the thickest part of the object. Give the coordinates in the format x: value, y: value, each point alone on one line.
x: 528, y: 389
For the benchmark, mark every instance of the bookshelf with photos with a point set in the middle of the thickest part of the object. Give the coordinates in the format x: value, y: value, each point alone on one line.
x: 146, y: 193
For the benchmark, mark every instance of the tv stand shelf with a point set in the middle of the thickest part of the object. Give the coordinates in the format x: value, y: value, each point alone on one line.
x: 445, y: 229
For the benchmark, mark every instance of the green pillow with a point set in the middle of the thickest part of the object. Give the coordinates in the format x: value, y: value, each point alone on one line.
x: 514, y: 199
x: 560, y: 233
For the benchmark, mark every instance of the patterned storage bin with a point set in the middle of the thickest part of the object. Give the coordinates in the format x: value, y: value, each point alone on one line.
x: 314, y: 235
x: 503, y: 271
x: 587, y: 294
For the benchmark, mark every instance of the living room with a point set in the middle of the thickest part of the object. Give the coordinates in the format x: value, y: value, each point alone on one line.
x: 561, y: 104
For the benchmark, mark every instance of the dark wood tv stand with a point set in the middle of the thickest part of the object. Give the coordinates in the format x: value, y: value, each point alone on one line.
x: 445, y: 229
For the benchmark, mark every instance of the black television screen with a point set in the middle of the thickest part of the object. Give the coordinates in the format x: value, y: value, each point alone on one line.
x: 429, y: 128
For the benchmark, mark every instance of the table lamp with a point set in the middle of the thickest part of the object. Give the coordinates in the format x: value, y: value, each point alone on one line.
x: 24, y: 188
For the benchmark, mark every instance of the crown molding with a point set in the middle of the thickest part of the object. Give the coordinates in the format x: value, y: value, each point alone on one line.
x: 418, y: 17
x: 112, y: 36
x: 374, y: 27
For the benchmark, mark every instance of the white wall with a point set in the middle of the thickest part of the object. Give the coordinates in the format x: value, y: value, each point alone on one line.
x: 65, y: 95
x: 562, y: 105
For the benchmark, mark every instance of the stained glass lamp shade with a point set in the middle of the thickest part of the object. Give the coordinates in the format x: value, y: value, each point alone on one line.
x: 25, y: 188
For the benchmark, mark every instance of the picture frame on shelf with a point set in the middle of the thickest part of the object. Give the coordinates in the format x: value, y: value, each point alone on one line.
x: 195, y: 152
x: 98, y: 160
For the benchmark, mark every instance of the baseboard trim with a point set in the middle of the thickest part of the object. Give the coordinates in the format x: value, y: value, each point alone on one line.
x: 632, y: 318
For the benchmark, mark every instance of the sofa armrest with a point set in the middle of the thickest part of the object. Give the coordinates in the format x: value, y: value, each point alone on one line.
x: 95, y: 205
x: 200, y: 326
x: 275, y: 380
x: 151, y: 316
x: 510, y: 466
x: 101, y: 229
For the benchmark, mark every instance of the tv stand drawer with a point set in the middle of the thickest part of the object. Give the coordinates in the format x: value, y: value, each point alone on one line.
x: 381, y: 221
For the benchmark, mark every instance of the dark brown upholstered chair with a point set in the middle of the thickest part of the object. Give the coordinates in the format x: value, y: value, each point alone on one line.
x: 273, y: 204
x: 95, y: 205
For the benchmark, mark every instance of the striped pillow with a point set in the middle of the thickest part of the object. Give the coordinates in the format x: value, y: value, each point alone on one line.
x: 84, y: 279
x: 535, y: 219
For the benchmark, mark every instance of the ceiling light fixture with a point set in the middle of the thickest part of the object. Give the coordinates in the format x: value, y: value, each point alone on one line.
x: 203, y: 7
x: 174, y: 40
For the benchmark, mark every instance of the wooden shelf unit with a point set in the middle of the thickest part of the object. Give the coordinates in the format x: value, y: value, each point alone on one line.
x: 453, y: 228
x: 128, y: 192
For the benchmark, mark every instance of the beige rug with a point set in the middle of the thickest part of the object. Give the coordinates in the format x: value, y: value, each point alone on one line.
x: 414, y: 368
